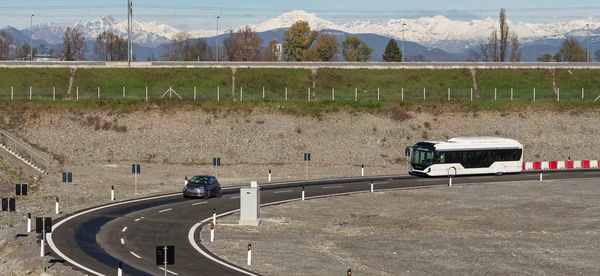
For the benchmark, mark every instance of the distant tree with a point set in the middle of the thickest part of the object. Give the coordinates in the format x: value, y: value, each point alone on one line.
x: 392, y: 52
x: 355, y: 49
x: 73, y: 47
x: 545, y: 58
x: 272, y: 52
x: 183, y: 48
x: 481, y: 54
x: 24, y: 51
x: 597, y: 55
x: 571, y: 51
x: 325, y: 48
x: 417, y: 58
x: 110, y: 47
x: 6, y: 42
x: 515, y: 46
x: 243, y: 45
x: 499, y: 46
x: 298, y: 40
x: 557, y: 57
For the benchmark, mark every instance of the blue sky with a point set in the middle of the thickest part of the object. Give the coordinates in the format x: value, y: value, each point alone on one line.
x: 188, y: 14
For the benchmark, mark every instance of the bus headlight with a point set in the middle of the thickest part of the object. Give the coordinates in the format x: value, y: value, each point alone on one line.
x: 429, y: 169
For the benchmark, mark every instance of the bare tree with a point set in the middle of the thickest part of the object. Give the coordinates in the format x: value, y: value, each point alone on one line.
x: 184, y: 48
x: 243, y: 45
x: 73, y: 47
x: 481, y: 54
x: 515, y: 47
x: 504, y: 36
x: 6, y: 41
x: 493, y: 44
x: 110, y: 47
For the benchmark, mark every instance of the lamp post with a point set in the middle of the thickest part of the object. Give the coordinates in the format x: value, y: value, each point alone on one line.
x: 217, y: 42
x: 589, y: 38
x: 31, y: 38
x: 403, y: 24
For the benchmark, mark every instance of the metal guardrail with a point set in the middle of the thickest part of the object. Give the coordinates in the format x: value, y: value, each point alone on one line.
x: 303, y: 65
x: 28, y: 154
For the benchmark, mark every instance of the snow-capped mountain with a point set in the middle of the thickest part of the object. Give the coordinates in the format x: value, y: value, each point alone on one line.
x: 432, y: 32
x: 149, y: 34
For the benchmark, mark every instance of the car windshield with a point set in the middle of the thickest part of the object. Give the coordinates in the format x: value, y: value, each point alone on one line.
x: 199, y: 181
x: 422, y: 157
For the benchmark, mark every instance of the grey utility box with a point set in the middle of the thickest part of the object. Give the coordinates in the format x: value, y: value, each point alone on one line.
x: 250, y: 204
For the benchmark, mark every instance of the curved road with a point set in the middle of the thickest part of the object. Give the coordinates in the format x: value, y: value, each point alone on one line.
x: 95, y: 240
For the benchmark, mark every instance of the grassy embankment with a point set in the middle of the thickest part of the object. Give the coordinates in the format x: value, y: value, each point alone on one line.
x: 389, y: 82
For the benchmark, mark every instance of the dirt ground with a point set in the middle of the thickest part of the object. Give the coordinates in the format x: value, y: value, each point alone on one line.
x: 524, y: 228
x: 99, y: 146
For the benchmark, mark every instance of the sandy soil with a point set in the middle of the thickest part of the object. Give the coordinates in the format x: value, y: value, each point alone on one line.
x: 525, y: 228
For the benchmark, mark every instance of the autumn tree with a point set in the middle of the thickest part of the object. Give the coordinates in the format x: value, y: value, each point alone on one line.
x: 6, y: 41
x: 110, y: 47
x: 571, y: 51
x: 73, y: 47
x: 324, y: 49
x: 392, y: 52
x: 24, y: 51
x: 183, y: 48
x: 298, y: 40
x: 355, y: 49
x: 243, y: 45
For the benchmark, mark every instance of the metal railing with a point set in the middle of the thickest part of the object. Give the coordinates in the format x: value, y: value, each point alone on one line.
x: 20, y: 149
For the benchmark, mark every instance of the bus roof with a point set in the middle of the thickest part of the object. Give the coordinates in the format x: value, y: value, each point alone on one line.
x: 478, y: 143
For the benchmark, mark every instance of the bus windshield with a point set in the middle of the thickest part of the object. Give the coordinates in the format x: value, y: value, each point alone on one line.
x: 422, y: 158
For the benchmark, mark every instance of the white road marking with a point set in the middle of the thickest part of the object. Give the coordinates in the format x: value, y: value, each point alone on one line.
x: 124, y: 229
x: 136, y: 255
x: 165, y: 210
x: 168, y: 271
x: 233, y: 197
x: 198, y: 203
x: 285, y: 191
x: 138, y: 219
x: 122, y: 241
x: 333, y: 187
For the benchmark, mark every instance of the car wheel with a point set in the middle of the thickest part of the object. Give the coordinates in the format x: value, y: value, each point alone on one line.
x: 206, y: 195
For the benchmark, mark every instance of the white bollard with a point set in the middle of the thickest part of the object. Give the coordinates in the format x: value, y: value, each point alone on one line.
x: 450, y: 182
x: 269, y: 175
x: 56, y: 205
x: 372, y: 186
x: 286, y: 93
x: 218, y: 93
x: 28, y: 222
x: 120, y: 269
x: 214, y: 217
x: 249, y: 254
x: 541, y: 178
x: 212, y: 233
x: 42, y: 244
x: 302, y: 193
x: 263, y: 93
x: 362, y: 170
x: 112, y: 193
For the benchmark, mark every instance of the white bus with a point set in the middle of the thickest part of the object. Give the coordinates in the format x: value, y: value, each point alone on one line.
x: 466, y: 155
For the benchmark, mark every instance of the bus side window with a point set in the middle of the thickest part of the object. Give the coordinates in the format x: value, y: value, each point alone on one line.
x: 441, y: 158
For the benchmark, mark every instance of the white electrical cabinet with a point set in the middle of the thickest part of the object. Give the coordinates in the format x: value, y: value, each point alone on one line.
x: 250, y: 204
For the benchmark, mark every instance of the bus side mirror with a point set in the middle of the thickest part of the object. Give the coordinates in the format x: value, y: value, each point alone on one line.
x: 407, y: 152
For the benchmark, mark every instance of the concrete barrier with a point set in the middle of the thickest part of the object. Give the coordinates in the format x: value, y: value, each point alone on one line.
x: 577, y: 164
x: 594, y: 164
x: 561, y: 165
x: 545, y: 165
x: 553, y: 165
x: 537, y: 165
x: 585, y: 164
x: 568, y: 164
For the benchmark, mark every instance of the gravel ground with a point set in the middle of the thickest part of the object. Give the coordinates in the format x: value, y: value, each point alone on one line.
x: 524, y: 228
x: 99, y: 146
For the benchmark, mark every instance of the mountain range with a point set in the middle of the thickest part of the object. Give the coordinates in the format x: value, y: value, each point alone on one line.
x: 435, y: 38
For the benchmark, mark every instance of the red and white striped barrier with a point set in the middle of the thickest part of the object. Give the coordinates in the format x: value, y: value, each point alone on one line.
x: 560, y: 165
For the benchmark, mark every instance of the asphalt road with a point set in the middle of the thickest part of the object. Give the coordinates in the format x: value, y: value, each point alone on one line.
x: 130, y: 231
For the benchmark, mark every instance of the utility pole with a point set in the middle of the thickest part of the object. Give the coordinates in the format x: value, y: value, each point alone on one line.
x: 31, y: 39
x: 403, y: 24
x: 129, y: 23
x: 217, y: 43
